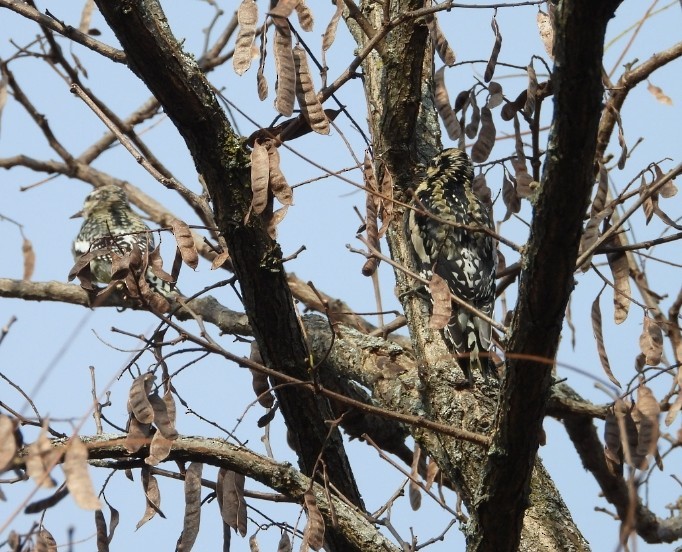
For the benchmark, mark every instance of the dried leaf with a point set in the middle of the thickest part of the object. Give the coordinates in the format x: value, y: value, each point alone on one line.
x: 284, y: 8
x: 220, y: 260
x: 138, y: 435
x: 546, y: 29
x: 492, y: 62
x: 313, y: 534
x: 330, y: 32
x: 612, y: 446
x: 677, y: 405
x: 510, y: 197
x: 260, y: 171
x: 651, y: 342
x: 442, y: 304
x: 486, y: 138
x: 440, y: 43
x: 190, y: 523
x: 518, y: 143
x: 524, y: 181
x: 284, y: 544
x: 261, y: 81
x: 278, y: 183
x: 156, y: 266
x: 261, y: 387
x: 648, y: 429
x: 620, y: 270
x: 305, y: 94
x: 495, y: 95
x: 164, y: 415
x: 597, y: 215
x: 529, y: 106
x: 260, y: 382
x: 233, y: 507
x: 482, y: 191
x: 114, y: 518
x: 285, y: 87
x: 185, y: 242
x: 512, y: 108
x: 305, y: 16
x: 138, y: 401
x: 86, y: 16
x: 415, y: 496
x: 159, y: 449
x: 40, y: 460
x: 4, y: 93
x: 81, y: 268
x: 432, y: 471
x: 101, y: 529
x: 152, y: 496
x: 621, y: 142
x: 274, y: 220
x: 372, y: 203
x: 253, y: 544
x: 8, y: 442
x: 45, y: 541
x: 29, y: 259
x: 628, y: 434
x: 386, y: 205
x: 668, y: 189
x: 462, y: 100
x: 414, y: 492
x: 599, y: 338
x: 247, y: 16
x: 472, y: 128
x: 442, y: 101
x: 659, y: 95
x: 49, y: 502
x: 78, y: 480
x: 266, y: 418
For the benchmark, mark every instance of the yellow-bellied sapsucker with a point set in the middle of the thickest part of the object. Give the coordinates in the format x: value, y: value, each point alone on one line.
x: 463, y: 257
x: 112, y: 226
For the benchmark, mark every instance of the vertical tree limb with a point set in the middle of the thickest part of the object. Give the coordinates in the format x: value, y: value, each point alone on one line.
x: 547, y: 280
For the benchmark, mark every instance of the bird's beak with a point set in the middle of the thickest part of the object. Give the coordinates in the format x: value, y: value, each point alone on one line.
x: 79, y: 214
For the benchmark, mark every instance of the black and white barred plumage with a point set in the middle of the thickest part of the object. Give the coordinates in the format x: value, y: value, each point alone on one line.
x: 464, y: 258
x: 111, y: 225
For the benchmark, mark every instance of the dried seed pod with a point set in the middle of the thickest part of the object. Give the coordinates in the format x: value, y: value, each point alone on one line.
x: 247, y: 17
x: 305, y: 93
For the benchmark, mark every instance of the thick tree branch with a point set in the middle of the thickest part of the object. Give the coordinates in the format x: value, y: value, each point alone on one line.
x: 628, y: 80
x: 405, y: 130
x: 281, y: 477
x: 221, y: 159
x: 584, y: 436
x: 67, y: 30
x: 547, y: 280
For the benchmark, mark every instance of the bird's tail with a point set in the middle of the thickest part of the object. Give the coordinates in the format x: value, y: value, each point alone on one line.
x: 470, y: 339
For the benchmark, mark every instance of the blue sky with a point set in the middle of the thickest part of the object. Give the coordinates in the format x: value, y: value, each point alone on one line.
x: 69, y: 339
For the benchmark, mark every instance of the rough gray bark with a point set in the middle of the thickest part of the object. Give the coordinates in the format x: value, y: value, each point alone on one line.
x: 221, y: 159
x: 394, y: 81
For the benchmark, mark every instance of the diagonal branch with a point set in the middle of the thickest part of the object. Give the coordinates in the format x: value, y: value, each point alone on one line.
x: 221, y: 159
x: 68, y: 31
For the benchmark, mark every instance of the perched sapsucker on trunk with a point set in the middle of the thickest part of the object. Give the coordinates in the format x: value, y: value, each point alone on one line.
x: 465, y: 258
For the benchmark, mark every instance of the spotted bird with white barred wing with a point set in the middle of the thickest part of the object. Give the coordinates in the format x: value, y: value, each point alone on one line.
x: 112, y: 230
x: 442, y: 231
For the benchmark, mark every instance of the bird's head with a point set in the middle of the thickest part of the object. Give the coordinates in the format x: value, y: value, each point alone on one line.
x: 103, y: 199
x: 454, y: 164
